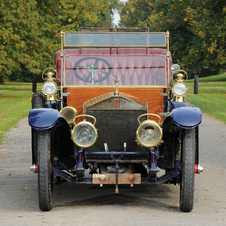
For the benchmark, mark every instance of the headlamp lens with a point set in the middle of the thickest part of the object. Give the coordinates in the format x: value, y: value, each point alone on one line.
x: 49, y: 88
x: 149, y: 133
x: 84, y: 134
x: 179, y: 89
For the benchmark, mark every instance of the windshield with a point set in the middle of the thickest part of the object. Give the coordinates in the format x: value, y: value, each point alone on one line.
x: 94, y: 58
x: 105, y: 39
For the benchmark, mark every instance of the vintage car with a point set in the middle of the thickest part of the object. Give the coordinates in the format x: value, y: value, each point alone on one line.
x: 112, y: 111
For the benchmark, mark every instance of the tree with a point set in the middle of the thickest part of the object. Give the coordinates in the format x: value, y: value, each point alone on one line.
x: 133, y: 13
x: 211, y: 35
x: 20, y: 38
x: 30, y: 30
x: 197, y: 29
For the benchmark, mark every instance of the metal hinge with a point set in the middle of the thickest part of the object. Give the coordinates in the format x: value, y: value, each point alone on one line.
x: 163, y: 94
x: 164, y: 113
x: 66, y: 94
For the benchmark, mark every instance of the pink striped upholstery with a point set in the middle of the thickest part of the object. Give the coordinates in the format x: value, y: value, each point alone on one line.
x: 132, y: 65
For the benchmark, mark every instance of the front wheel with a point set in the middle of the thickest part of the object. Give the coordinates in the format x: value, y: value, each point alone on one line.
x: 45, y: 184
x: 187, y: 176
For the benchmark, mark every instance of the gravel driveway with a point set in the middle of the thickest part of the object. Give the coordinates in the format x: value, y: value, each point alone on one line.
x: 92, y: 205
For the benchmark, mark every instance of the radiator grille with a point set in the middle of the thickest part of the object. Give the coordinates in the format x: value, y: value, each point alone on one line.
x: 116, y: 127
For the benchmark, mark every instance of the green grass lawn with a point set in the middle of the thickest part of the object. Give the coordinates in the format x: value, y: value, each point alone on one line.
x: 15, y: 103
x: 211, y: 97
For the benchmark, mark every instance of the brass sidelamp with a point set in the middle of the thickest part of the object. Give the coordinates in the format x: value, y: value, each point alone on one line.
x: 49, y: 87
x: 179, y: 88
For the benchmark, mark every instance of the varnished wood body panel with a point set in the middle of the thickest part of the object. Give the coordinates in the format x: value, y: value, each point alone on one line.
x: 152, y: 96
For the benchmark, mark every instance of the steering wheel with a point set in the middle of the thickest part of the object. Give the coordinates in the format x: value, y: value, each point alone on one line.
x: 92, y: 68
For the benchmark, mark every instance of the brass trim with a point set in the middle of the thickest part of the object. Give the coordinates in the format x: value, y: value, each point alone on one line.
x: 180, y: 79
x: 85, y: 115
x: 117, y: 47
x: 61, y: 65
x: 166, y: 80
x: 71, y: 108
x: 167, y: 41
x: 149, y: 114
x: 168, y: 56
x: 108, y: 95
x: 116, y: 85
x: 50, y: 75
x: 50, y: 97
x: 62, y: 41
x: 107, y: 32
x: 179, y: 76
x: 113, y: 87
x: 64, y: 59
x: 178, y: 99
x: 97, y: 99
x: 100, y: 176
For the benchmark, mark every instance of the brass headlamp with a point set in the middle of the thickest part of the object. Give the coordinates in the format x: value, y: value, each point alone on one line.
x: 149, y: 133
x: 84, y: 133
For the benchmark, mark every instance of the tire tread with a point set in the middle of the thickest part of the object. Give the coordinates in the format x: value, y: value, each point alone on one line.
x: 44, y: 170
x: 188, y: 171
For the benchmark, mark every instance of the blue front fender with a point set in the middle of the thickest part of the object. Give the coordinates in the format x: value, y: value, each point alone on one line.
x: 43, y: 118
x: 186, y: 117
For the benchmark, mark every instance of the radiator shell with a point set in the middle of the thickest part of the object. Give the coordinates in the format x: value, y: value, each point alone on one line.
x: 116, y: 125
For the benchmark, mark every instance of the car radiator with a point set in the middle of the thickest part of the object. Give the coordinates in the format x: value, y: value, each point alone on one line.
x: 116, y: 127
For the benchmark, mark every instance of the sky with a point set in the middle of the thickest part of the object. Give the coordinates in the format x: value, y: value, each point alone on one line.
x: 116, y: 15
x: 116, y: 18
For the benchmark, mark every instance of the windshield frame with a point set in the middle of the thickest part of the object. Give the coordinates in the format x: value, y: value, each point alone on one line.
x: 63, y: 56
x: 113, y: 39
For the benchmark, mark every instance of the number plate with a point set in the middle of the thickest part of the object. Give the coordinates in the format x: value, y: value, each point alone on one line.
x: 123, y: 178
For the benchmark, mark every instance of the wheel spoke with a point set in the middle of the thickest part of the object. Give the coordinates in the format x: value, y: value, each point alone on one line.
x: 89, y: 76
x: 103, y: 72
x: 96, y: 62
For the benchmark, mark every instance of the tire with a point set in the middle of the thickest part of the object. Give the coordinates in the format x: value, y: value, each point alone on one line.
x: 37, y: 102
x: 187, y: 176
x: 45, y: 184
